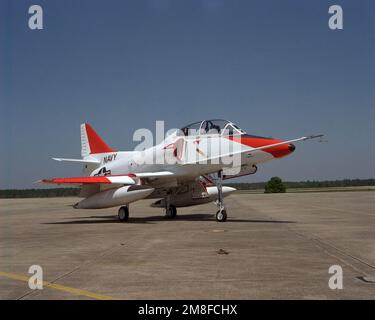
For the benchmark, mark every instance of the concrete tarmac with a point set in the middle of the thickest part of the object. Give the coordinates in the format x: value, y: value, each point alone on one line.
x: 278, y: 246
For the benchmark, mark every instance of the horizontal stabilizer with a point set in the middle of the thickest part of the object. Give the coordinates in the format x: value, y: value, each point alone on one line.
x: 93, y: 161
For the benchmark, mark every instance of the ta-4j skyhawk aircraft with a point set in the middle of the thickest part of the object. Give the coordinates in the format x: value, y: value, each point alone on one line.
x: 187, y: 168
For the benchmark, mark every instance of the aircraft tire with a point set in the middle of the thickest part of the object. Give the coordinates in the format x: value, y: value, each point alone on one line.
x: 221, y: 216
x: 171, y: 212
x: 123, y: 213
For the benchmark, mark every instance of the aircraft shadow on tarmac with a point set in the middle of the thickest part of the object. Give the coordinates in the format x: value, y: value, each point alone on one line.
x: 154, y: 219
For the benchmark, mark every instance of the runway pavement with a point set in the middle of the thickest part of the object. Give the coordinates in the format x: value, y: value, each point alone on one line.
x: 276, y: 246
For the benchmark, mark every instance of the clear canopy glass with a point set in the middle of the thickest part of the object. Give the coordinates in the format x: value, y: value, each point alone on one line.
x: 211, y: 127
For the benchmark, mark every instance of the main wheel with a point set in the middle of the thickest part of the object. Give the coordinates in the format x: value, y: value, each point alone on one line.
x: 221, y: 215
x: 171, y: 212
x: 123, y: 213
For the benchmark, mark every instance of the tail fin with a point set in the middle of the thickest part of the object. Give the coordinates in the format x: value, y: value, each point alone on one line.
x: 91, y: 142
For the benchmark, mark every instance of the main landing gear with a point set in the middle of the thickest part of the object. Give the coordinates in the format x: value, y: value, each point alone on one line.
x: 171, y: 211
x: 123, y: 213
x: 221, y: 214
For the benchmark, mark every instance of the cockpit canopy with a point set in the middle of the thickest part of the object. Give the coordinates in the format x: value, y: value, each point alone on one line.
x: 215, y: 126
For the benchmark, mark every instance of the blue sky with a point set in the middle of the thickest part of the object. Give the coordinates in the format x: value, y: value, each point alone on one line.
x: 272, y: 67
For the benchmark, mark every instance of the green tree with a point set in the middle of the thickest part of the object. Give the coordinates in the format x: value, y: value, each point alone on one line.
x: 275, y: 185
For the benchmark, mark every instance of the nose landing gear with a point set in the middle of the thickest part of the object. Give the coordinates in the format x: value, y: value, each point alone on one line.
x: 221, y: 215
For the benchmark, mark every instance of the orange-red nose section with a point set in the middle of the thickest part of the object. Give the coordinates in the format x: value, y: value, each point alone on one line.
x: 281, y: 150
x: 257, y: 142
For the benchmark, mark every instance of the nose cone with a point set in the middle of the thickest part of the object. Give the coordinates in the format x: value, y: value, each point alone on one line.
x: 213, y: 192
x: 291, y: 147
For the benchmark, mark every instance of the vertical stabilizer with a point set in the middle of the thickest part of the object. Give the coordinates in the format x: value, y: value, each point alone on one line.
x: 91, y: 142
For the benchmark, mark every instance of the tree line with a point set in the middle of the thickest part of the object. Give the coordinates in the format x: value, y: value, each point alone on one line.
x: 308, y: 184
x: 39, y: 193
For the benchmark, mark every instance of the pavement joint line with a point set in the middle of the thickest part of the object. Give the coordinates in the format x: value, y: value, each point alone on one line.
x: 89, y: 261
x: 47, y: 284
x: 324, y: 244
x: 105, y: 253
x: 321, y: 243
x: 343, y: 252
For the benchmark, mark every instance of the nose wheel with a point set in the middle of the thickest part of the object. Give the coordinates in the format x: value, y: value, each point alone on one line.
x: 221, y: 215
x: 123, y: 213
